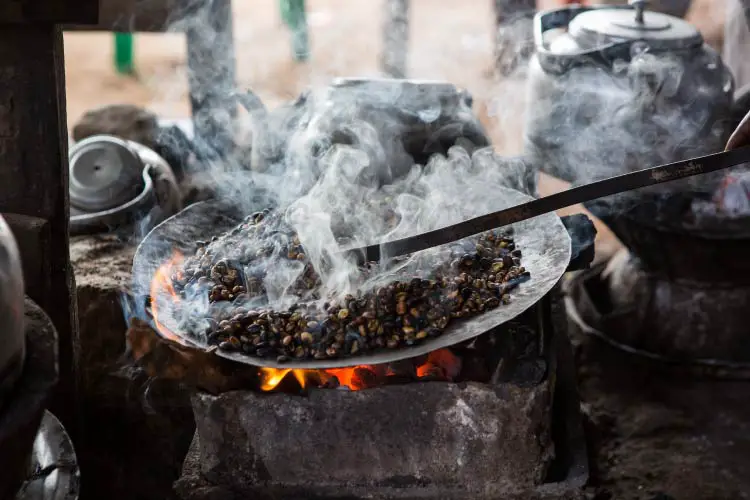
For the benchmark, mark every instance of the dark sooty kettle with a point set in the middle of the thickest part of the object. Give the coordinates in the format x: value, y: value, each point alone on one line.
x: 617, y: 88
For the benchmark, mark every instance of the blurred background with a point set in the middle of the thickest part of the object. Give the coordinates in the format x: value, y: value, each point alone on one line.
x: 448, y: 40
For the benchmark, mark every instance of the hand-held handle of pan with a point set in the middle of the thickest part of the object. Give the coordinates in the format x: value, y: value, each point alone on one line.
x: 607, y: 187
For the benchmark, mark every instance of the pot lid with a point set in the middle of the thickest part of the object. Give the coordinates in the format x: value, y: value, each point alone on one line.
x: 604, y: 26
x: 104, y: 173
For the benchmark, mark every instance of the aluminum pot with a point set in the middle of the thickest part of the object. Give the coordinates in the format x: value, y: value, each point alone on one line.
x: 12, y: 337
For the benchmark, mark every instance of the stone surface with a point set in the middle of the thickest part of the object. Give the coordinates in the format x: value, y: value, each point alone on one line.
x: 136, y: 431
x: 655, y: 433
x: 429, y: 437
x: 192, y: 486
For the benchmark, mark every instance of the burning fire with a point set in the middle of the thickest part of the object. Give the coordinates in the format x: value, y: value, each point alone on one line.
x: 161, y: 289
x: 441, y: 364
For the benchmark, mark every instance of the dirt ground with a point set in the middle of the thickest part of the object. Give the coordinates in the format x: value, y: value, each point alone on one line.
x: 653, y: 437
x: 656, y: 434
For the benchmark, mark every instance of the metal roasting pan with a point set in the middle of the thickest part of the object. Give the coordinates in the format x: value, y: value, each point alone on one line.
x: 543, y: 240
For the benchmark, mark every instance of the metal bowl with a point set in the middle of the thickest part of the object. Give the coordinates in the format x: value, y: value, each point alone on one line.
x: 544, y: 241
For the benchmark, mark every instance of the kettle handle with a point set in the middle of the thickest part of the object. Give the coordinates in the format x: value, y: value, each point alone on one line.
x: 561, y: 63
x: 740, y: 105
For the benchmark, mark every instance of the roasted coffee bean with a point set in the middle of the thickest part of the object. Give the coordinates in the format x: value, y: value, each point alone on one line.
x: 226, y: 346
x: 478, y: 276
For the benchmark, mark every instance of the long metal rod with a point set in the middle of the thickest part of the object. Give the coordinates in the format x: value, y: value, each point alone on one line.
x: 607, y: 187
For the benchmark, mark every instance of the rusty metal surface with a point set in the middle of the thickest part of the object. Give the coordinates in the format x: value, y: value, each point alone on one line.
x: 544, y: 241
x: 621, y: 184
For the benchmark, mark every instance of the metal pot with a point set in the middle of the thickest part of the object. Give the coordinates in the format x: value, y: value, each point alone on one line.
x: 396, y: 122
x: 614, y: 89
x: 12, y: 337
x: 114, y: 182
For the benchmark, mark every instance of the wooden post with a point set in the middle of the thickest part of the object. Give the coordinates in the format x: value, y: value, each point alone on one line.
x: 393, y: 60
x: 34, y: 164
x: 513, y: 33
x: 207, y: 25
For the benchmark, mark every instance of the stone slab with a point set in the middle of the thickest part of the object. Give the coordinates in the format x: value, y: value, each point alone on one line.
x: 409, y: 441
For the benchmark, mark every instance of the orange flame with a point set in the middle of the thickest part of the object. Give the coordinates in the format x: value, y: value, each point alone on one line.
x: 161, y: 288
x: 270, y: 378
x: 441, y: 364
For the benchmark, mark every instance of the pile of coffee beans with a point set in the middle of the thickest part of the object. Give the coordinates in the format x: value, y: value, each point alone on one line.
x: 404, y: 312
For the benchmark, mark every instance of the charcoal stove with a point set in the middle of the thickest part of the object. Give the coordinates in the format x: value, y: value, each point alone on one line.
x: 517, y: 434
x: 28, y: 367
x: 678, y: 292
x: 505, y: 425
x: 27, y: 432
x: 493, y: 413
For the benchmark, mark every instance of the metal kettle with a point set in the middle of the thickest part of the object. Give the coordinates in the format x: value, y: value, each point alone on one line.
x: 617, y: 88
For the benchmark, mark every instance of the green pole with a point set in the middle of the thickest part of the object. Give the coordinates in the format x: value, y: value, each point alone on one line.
x: 124, y: 63
x: 293, y: 14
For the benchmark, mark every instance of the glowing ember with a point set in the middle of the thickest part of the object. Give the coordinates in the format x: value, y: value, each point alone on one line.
x: 270, y: 378
x: 440, y: 365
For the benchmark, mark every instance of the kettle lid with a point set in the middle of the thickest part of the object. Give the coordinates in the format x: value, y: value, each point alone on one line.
x: 104, y: 173
x: 602, y: 26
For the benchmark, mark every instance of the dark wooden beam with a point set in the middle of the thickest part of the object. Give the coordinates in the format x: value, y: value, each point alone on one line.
x: 34, y: 165
x: 394, y: 57
x: 49, y: 11
x: 211, y: 69
x: 507, y: 10
x: 132, y: 16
